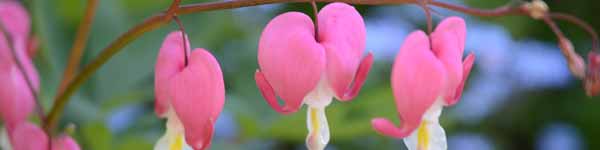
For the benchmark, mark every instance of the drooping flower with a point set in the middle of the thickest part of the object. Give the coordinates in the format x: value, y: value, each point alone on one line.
x: 427, y: 75
x: 190, y: 96
x: 64, y: 142
x: 303, y: 68
x: 592, y: 77
x: 16, y: 99
x: 27, y: 136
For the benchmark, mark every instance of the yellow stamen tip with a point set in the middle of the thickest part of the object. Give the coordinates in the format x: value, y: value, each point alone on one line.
x: 423, y: 136
x: 177, y: 143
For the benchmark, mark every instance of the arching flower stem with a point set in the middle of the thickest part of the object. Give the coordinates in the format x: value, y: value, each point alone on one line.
x: 81, y: 38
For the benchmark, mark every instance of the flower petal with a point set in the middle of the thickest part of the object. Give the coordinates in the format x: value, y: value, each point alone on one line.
x: 418, y: 78
x: 447, y: 42
x: 467, y: 65
x: 27, y: 136
x: 267, y: 92
x: 430, y: 135
x: 198, y: 96
x: 15, y: 19
x: 170, y: 61
x: 16, y: 100
x: 64, y: 143
x: 290, y: 59
x: 342, y: 32
x: 359, y: 78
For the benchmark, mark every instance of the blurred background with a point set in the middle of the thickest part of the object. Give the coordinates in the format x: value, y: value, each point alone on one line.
x: 520, y: 95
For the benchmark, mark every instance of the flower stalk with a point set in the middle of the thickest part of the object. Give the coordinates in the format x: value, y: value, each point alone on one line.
x: 79, y: 44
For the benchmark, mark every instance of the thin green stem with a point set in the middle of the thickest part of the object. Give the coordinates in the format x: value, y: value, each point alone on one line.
x: 81, y: 39
x: 61, y: 100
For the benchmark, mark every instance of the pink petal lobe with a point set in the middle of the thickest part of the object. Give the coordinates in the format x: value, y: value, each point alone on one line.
x: 386, y: 127
x: 198, y: 93
x: 27, y: 136
x: 267, y: 92
x: 170, y: 61
x: 64, y: 143
x: 448, y: 45
x: 290, y: 59
x: 418, y: 79
x: 467, y: 65
x: 16, y: 101
x: 15, y: 19
x: 455, y: 26
x: 359, y: 78
x: 6, y: 58
x: 342, y: 32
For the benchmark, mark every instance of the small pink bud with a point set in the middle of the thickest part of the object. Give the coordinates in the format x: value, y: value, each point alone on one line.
x: 64, y: 142
x: 27, y: 136
x: 592, y: 78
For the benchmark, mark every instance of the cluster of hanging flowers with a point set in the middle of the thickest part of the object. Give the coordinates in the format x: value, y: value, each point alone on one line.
x: 307, y: 63
x: 18, y: 79
x: 301, y: 61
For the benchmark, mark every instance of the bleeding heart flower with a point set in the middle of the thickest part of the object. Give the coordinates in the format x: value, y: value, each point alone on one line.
x: 592, y: 77
x: 16, y: 99
x: 27, y: 136
x: 424, y: 79
x: 304, y: 68
x: 190, y: 97
x: 64, y: 142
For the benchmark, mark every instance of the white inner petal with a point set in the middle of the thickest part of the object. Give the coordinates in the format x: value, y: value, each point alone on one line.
x: 174, y: 138
x: 430, y: 135
x: 318, y: 129
x: 321, y: 96
x: 4, y: 143
x: 316, y: 120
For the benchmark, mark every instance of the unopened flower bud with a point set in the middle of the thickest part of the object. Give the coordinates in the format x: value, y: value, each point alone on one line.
x: 576, y: 63
x: 592, y: 78
x: 537, y: 8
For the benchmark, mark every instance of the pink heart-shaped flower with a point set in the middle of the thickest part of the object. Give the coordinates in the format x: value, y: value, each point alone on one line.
x: 422, y: 74
x: 293, y: 59
x: 196, y: 92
